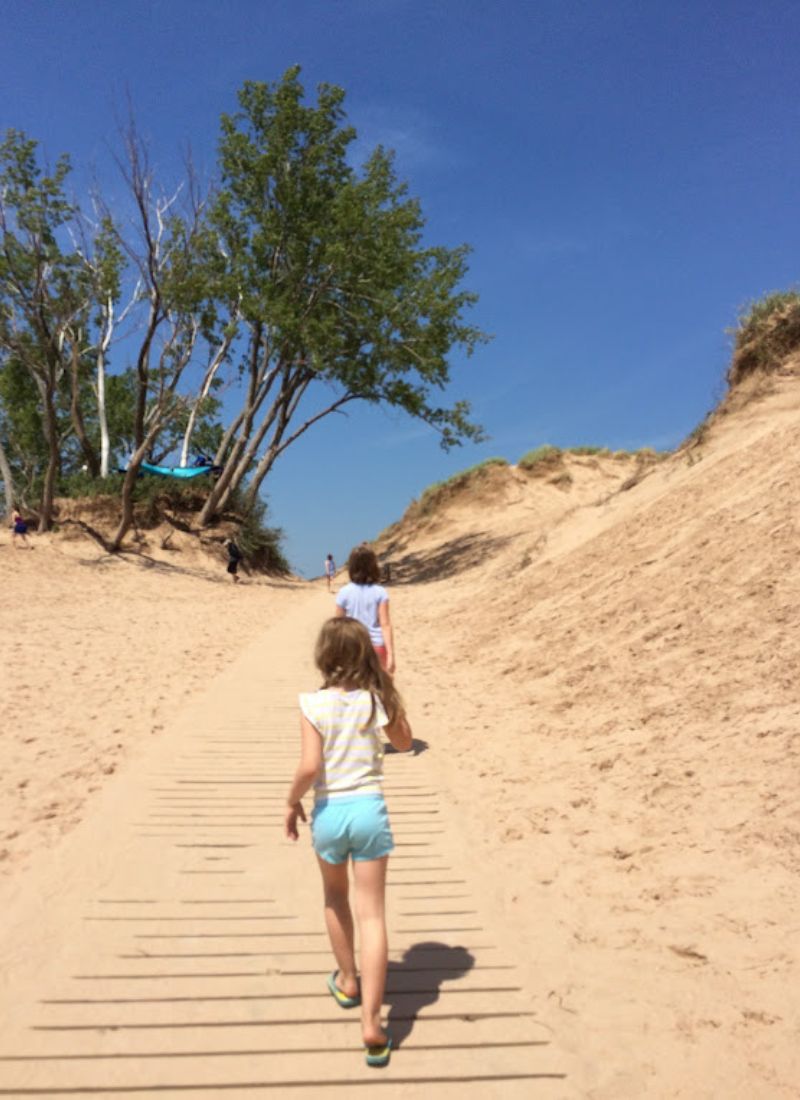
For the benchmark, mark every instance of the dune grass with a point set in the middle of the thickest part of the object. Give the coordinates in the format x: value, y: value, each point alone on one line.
x: 430, y: 496
x: 546, y: 454
x: 768, y: 330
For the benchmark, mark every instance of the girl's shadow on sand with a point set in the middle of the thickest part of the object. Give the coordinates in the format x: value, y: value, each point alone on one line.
x: 416, y: 982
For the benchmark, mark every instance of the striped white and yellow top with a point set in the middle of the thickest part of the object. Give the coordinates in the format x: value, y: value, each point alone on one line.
x: 352, y: 746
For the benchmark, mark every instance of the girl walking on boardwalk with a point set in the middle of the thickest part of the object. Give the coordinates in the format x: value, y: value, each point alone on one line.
x: 366, y: 600
x: 342, y: 756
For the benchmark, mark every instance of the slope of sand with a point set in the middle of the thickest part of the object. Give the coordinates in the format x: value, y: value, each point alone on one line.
x: 97, y: 654
x: 616, y: 698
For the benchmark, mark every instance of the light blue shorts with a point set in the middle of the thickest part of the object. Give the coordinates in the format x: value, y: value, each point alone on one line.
x: 356, y: 826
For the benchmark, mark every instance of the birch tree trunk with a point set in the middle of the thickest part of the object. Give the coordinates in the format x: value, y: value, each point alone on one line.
x: 278, y: 416
x: 131, y: 474
x: 47, y: 391
x: 89, y: 453
x: 8, y: 480
x: 230, y: 432
x: 210, y: 374
x: 102, y: 413
x: 257, y: 391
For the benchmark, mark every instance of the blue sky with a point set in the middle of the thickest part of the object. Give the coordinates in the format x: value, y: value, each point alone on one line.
x: 628, y: 175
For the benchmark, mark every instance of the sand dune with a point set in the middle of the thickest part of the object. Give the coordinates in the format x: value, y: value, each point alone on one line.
x: 618, y: 703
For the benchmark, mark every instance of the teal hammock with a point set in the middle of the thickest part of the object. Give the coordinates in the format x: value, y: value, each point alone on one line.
x: 183, y: 472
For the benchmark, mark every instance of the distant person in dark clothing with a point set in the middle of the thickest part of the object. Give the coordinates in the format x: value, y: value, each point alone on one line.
x: 234, y: 557
x: 19, y: 531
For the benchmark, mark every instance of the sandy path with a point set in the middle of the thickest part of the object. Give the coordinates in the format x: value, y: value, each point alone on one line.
x: 97, y: 655
x: 173, y: 942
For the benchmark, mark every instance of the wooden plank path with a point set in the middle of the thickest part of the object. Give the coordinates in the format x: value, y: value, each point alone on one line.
x: 176, y: 944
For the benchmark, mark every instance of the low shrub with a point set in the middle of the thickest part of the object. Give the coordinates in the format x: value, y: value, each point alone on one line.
x: 260, y: 543
x: 82, y: 485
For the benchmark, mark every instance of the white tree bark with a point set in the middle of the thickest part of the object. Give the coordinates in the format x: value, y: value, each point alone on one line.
x: 102, y: 349
x: 8, y: 481
x: 215, y: 364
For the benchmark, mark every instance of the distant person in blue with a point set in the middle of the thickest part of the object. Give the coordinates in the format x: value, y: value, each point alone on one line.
x: 19, y: 531
x: 365, y: 600
x: 330, y: 570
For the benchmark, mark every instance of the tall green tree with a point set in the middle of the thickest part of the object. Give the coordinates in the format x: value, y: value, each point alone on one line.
x: 171, y: 251
x: 103, y: 264
x: 42, y: 288
x: 337, y: 297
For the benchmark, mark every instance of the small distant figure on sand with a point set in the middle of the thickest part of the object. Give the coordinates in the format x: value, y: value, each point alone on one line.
x: 342, y: 757
x: 234, y: 557
x: 368, y: 602
x: 19, y: 531
x: 330, y: 570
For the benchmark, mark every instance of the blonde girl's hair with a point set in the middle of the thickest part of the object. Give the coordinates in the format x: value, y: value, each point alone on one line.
x: 362, y: 566
x: 345, y: 656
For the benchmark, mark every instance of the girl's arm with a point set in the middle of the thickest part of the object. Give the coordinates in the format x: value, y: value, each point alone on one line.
x: 307, y: 771
x: 399, y: 733
x: 339, y: 612
x: 388, y: 635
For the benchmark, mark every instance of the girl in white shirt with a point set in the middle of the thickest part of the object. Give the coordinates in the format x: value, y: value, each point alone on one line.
x: 342, y: 756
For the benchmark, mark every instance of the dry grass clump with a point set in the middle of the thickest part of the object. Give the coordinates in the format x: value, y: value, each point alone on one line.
x: 602, y: 451
x: 439, y: 491
x: 646, y: 459
x: 542, y: 460
x: 768, y: 332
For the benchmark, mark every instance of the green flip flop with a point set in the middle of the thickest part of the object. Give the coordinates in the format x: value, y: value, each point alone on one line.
x: 342, y: 1000
x: 378, y: 1057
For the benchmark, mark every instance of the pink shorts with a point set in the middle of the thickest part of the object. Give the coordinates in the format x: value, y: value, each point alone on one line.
x: 383, y: 656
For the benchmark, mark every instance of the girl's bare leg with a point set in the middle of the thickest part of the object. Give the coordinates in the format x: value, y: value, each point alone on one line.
x: 370, y: 876
x: 339, y: 922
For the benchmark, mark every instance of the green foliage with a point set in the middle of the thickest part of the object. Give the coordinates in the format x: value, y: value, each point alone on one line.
x: 546, y: 454
x: 588, y: 450
x: 48, y: 299
x: 767, y: 332
x: 330, y: 261
x: 21, y: 425
x: 80, y: 484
